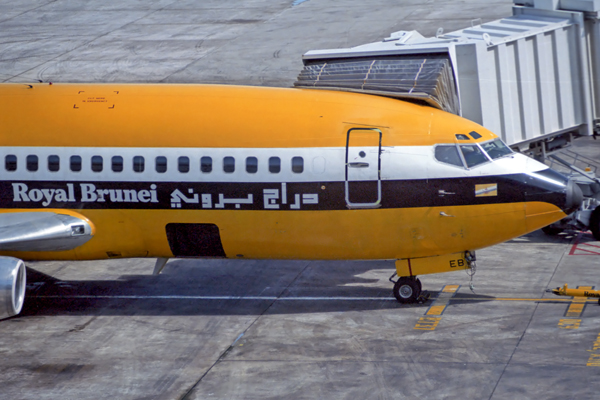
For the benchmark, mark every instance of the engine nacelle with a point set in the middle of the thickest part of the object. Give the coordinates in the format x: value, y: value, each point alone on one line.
x: 13, y: 278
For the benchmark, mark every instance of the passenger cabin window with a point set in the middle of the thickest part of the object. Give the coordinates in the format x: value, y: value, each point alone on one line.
x: 161, y: 164
x: 138, y: 164
x: 228, y: 165
x: 251, y: 165
x: 473, y: 155
x: 206, y: 164
x: 117, y: 164
x: 32, y: 163
x: 75, y: 163
x: 297, y: 165
x: 183, y: 164
x: 274, y: 165
x: 10, y: 162
x: 97, y: 163
x: 496, y: 149
x: 53, y: 163
x: 448, y: 154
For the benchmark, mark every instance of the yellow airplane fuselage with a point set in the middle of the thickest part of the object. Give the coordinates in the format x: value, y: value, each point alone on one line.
x: 421, y: 208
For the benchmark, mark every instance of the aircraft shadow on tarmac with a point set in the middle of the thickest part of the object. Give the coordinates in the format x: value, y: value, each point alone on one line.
x: 220, y: 287
x: 212, y: 287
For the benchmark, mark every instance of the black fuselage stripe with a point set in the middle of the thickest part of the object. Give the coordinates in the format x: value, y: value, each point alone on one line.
x: 512, y: 188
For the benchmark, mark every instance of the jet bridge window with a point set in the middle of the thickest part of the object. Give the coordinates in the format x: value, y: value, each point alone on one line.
x: 206, y: 164
x: 473, y: 155
x: 10, y: 162
x: 183, y: 164
x: 138, y: 164
x: 32, y: 163
x: 75, y: 163
x: 297, y: 165
x: 161, y: 164
x: 251, y: 165
x: 496, y: 149
x: 448, y: 154
x: 274, y: 165
x: 117, y: 164
x: 53, y: 163
x: 97, y: 163
x: 228, y: 164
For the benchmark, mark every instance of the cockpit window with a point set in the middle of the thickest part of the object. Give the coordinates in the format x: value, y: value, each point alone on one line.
x: 473, y: 155
x: 448, y: 154
x: 496, y: 149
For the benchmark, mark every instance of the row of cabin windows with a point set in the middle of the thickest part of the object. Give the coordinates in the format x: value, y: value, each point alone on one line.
x: 160, y: 164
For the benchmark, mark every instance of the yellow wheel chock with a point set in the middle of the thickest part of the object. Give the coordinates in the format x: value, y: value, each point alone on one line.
x: 565, y: 291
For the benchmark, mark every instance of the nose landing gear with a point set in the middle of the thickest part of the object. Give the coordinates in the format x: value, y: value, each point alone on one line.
x: 407, y: 289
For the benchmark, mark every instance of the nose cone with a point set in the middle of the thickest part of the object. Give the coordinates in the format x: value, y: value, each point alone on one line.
x: 574, y: 197
x: 549, y: 196
x: 553, y: 188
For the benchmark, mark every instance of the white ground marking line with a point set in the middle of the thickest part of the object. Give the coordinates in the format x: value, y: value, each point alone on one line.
x: 177, y: 297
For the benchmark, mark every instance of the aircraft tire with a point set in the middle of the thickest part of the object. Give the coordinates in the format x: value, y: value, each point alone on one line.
x: 407, y: 290
x: 595, y: 223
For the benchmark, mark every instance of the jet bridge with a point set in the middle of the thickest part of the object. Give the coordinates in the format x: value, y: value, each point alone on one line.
x: 531, y: 78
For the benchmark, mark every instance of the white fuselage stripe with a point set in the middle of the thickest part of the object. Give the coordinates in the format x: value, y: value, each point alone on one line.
x: 320, y: 164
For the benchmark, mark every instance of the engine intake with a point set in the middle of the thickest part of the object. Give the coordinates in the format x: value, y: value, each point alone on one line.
x: 13, y: 277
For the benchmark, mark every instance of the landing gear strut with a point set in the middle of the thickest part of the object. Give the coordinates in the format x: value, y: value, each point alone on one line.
x: 407, y: 289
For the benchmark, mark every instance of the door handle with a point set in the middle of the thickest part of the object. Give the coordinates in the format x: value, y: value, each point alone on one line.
x: 358, y: 165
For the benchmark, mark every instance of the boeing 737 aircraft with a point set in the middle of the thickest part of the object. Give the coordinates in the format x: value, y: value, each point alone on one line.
x: 110, y: 171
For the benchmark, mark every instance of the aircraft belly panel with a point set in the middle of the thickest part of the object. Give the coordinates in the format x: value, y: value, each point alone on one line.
x: 347, y: 234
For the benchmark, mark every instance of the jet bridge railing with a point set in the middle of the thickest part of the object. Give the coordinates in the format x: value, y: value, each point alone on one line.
x: 570, y: 158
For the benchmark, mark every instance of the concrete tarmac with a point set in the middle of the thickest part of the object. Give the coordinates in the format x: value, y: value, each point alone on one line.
x: 239, y: 329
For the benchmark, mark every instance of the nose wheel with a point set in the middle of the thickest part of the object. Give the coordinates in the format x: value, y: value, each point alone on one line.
x: 407, y: 289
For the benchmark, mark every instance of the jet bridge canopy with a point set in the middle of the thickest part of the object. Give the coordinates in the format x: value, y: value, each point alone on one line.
x: 425, y: 78
x: 531, y: 78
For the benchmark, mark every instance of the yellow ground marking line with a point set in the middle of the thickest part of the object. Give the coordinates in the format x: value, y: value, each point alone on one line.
x: 594, y: 358
x: 433, y: 315
x: 577, y: 304
x: 557, y: 300
x: 439, y: 305
x: 427, y: 323
x: 569, y: 323
x: 450, y: 288
x: 435, y: 310
x: 574, y: 311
